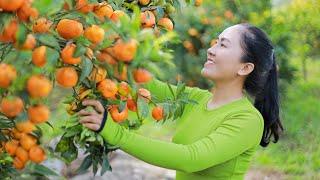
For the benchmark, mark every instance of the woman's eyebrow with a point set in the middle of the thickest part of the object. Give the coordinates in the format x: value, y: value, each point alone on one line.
x: 224, y: 39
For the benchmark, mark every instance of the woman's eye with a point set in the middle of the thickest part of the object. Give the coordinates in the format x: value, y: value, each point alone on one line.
x: 222, y: 45
x: 214, y: 42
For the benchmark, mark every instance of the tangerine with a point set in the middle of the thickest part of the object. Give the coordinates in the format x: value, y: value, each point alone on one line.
x: 67, y: 76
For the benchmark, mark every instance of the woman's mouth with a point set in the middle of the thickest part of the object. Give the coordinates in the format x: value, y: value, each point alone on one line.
x: 209, y: 61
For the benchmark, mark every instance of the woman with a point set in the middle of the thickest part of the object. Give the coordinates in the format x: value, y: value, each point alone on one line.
x: 216, y: 138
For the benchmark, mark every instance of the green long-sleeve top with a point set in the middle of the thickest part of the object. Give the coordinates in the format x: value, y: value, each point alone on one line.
x: 208, y: 143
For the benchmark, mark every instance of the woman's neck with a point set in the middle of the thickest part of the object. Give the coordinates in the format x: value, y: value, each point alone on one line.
x: 224, y: 93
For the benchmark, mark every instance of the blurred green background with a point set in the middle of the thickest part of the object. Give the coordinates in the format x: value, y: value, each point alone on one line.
x: 294, y: 27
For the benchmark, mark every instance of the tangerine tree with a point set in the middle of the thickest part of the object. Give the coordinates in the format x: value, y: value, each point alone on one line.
x: 102, y: 50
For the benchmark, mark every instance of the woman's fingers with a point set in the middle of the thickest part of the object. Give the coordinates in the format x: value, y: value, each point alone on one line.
x: 92, y: 126
x: 86, y: 113
x: 91, y: 119
x: 96, y: 104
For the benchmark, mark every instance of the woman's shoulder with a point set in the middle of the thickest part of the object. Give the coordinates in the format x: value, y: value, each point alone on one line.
x: 249, y: 120
x: 246, y: 111
x: 246, y: 106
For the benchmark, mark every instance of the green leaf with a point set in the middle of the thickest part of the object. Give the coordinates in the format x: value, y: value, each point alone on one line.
x: 91, y: 18
x: 105, y: 166
x: 166, y: 109
x: 68, y: 100
x: 5, y: 18
x: 3, y: 137
x: 86, y: 163
x: 63, y: 144
x: 154, y: 68
x: 71, y: 154
x: 6, y: 123
x: 93, y: 1
x: 106, y: 43
x: 95, y: 166
x: 122, y: 105
x: 120, y: 66
x: 48, y: 40
x: 83, y: 133
x: 116, y: 101
x: 52, y: 56
x: 86, y: 65
x: 171, y: 90
x: 48, y: 6
x: 135, y: 21
x: 21, y: 117
x: 83, y: 41
x: 180, y: 88
x: 72, y: 131
x: 131, y: 79
x: 80, y: 50
x: 100, y: 139
x: 21, y: 34
x: 159, y: 12
x: 109, y: 69
x: 48, y: 123
x: 37, y: 133
x: 143, y: 108
x: 177, y: 4
x: 42, y: 170
x: 178, y: 111
x: 169, y: 8
x: 24, y: 56
x: 68, y: 150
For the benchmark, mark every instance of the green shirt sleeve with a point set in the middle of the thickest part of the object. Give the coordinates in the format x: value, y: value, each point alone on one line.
x: 234, y: 136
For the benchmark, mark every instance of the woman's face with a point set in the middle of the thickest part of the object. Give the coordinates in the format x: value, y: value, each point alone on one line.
x: 223, y: 58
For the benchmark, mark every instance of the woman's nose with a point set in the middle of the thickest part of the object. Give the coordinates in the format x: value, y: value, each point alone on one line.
x: 210, y: 52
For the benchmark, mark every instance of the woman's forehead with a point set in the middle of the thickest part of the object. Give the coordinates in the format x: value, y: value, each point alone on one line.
x: 232, y: 33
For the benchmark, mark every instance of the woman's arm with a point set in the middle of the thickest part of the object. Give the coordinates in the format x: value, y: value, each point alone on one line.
x: 238, y: 133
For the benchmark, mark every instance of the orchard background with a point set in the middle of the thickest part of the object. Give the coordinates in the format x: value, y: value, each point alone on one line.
x: 56, y: 53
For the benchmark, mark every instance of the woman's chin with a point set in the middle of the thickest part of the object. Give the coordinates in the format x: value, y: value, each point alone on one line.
x: 206, y: 74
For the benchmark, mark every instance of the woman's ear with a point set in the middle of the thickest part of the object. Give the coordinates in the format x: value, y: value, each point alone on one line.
x: 246, y: 69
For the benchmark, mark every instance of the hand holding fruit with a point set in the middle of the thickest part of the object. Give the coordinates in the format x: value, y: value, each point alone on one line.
x: 92, y: 117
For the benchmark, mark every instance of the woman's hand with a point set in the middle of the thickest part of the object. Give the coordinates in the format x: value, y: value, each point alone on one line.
x: 93, y: 119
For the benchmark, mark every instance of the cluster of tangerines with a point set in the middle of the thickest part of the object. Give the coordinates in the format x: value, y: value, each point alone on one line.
x: 105, y: 11
x: 22, y: 144
x: 112, y: 90
x: 122, y: 51
x: 39, y: 86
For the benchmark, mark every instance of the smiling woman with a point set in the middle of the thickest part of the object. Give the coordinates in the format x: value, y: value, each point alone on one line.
x: 216, y: 138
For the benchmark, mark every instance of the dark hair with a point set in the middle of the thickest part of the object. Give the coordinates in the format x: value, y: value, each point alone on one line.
x: 262, y: 82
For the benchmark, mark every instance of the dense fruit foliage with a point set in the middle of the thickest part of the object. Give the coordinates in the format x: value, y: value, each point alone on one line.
x: 102, y: 50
